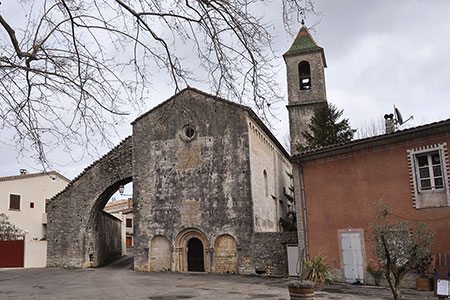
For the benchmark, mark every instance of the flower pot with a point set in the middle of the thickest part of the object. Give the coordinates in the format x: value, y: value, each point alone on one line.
x: 301, y: 293
x: 424, y: 284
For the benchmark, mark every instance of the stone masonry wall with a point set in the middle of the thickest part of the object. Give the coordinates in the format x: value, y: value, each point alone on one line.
x: 109, y: 247
x: 302, y: 102
x: 73, y: 214
x: 268, y: 192
x: 200, y: 183
x: 271, y: 253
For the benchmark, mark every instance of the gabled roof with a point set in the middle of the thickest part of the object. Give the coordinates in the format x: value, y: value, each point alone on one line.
x: 251, y: 113
x: 304, y: 43
x: 440, y: 127
x: 25, y: 176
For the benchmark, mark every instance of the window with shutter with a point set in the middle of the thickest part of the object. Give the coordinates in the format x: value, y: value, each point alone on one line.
x: 129, y: 222
x: 14, y: 202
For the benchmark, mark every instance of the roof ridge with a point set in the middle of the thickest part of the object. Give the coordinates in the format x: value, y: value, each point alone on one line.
x: 249, y: 110
x: 32, y: 175
x: 375, y: 137
x: 303, y: 42
x: 187, y: 89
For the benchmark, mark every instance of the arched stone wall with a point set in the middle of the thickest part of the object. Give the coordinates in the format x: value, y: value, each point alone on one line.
x: 225, y: 255
x: 160, y: 254
x: 73, y: 214
x: 181, y: 258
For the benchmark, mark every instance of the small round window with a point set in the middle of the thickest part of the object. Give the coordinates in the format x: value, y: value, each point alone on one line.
x: 188, y: 133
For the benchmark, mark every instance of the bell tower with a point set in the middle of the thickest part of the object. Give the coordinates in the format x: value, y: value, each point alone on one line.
x: 305, y: 64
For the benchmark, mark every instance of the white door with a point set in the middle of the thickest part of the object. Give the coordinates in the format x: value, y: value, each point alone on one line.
x: 293, y: 263
x: 352, y: 255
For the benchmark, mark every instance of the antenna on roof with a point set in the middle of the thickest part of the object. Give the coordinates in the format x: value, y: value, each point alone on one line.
x: 399, y: 118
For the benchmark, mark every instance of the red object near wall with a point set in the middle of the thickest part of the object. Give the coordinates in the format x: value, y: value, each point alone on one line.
x: 11, y: 254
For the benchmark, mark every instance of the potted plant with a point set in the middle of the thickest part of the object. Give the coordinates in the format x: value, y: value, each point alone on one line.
x: 300, y: 288
x: 317, y: 270
x: 423, y: 282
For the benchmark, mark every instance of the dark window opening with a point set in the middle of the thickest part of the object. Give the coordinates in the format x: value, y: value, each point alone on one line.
x: 129, y: 222
x: 31, y: 204
x: 304, y: 73
x: 266, y: 184
x: 189, y: 132
x: 14, y: 202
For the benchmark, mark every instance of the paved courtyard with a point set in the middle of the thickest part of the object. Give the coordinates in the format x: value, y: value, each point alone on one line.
x: 119, y: 281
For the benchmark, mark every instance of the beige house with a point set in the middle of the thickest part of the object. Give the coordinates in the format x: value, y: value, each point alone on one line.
x: 123, y: 209
x: 23, y: 199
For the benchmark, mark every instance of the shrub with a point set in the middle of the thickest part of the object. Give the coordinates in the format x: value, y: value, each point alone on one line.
x: 317, y: 269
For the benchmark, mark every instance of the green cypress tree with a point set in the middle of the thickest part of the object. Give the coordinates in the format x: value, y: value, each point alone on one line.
x: 325, y: 128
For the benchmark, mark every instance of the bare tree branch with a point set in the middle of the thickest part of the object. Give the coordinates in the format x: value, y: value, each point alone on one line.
x: 75, y: 67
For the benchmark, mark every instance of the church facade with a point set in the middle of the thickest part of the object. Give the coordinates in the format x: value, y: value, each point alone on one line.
x: 210, y: 183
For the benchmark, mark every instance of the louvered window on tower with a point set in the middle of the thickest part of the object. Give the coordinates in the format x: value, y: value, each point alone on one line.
x: 304, y: 73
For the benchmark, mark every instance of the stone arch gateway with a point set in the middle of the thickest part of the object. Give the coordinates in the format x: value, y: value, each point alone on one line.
x: 75, y: 215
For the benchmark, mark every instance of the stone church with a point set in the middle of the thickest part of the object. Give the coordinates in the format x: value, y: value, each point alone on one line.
x: 210, y: 184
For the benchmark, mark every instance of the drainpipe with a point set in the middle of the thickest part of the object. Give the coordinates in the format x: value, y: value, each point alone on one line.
x: 305, y: 221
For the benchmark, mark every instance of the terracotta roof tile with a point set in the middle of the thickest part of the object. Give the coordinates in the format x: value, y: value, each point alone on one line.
x: 25, y: 176
x: 374, y: 138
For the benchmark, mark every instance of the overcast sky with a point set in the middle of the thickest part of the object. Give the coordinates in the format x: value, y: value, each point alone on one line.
x: 379, y: 53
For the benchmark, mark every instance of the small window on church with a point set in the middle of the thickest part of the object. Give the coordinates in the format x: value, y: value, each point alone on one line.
x: 188, y: 133
x: 304, y: 73
x: 266, y: 184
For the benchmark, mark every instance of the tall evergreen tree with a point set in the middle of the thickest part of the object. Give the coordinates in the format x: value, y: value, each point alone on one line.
x: 325, y: 128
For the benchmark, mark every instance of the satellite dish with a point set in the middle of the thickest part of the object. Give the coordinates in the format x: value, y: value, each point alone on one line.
x: 398, y: 116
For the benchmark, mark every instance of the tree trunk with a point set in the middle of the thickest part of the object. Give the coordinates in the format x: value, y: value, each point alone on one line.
x: 396, y: 291
x: 394, y: 284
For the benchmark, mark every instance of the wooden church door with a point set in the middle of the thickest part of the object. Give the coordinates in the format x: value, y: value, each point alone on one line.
x: 195, y: 255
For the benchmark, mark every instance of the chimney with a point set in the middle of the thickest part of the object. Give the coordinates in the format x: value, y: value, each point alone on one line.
x: 389, y: 123
x: 23, y: 171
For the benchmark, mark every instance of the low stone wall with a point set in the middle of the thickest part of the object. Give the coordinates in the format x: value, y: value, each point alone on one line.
x: 270, y: 252
x: 109, y: 238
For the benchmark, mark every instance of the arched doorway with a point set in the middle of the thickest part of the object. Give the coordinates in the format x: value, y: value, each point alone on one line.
x: 195, y: 255
x: 192, y: 251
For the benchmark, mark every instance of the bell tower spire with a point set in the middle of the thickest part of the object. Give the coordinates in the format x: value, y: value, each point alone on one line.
x: 305, y: 64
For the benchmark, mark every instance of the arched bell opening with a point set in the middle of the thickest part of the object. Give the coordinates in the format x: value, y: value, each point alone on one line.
x: 304, y: 74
